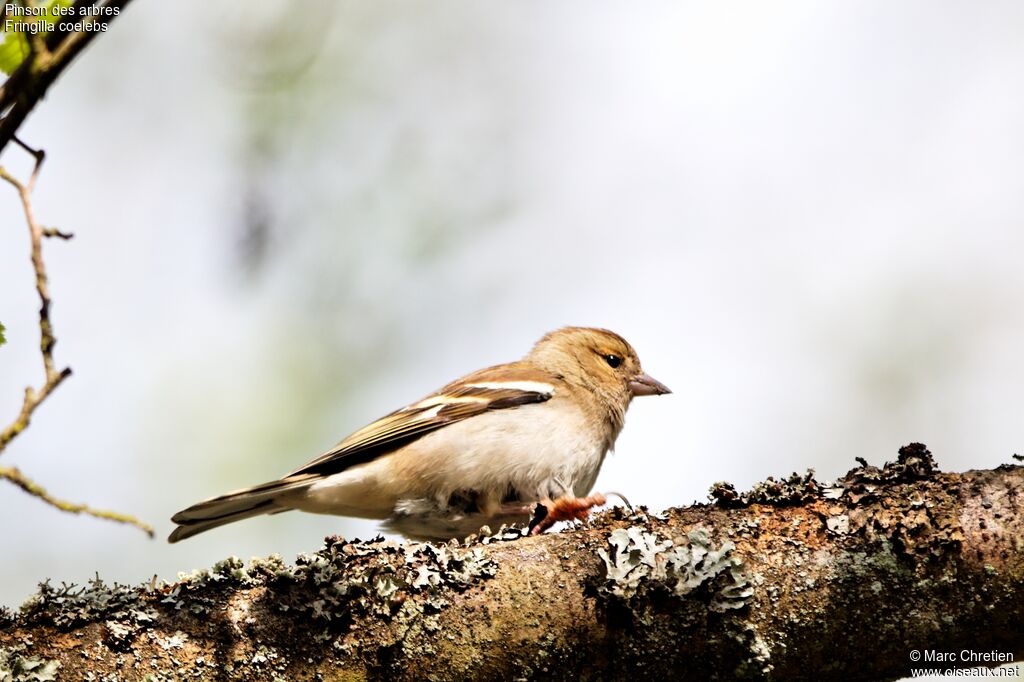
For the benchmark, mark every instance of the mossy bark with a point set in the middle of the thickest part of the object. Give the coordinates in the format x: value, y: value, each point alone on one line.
x: 794, y: 580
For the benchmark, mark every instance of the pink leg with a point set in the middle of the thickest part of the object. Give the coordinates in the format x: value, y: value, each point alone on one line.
x: 548, y: 513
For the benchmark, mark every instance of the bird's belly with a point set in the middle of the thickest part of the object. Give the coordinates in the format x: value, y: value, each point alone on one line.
x: 360, y: 491
x: 529, y: 453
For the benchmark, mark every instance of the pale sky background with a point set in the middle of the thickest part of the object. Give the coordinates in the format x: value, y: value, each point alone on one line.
x: 807, y: 218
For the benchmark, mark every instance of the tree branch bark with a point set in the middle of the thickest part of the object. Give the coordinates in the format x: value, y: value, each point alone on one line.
x: 793, y: 580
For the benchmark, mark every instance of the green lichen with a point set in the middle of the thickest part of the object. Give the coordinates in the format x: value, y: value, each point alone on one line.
x: 638, y: 561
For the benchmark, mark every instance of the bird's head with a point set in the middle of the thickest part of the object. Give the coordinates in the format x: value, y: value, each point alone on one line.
x: 598, y: 358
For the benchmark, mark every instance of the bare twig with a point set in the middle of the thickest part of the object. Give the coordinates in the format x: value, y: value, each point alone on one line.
x: 54, y: 232
x: 52, y: 376
x: 47, y: 340
x: 15, y: 476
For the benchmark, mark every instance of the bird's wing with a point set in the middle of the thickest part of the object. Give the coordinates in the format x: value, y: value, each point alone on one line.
x: 496, y: 388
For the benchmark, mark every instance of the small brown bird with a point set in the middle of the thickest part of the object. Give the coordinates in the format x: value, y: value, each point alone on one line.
x: 486, y: 449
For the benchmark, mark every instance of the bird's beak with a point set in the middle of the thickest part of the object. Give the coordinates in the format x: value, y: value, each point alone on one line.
x: 645, y: 384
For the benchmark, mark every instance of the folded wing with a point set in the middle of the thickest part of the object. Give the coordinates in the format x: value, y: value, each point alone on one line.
x: 495, y: 388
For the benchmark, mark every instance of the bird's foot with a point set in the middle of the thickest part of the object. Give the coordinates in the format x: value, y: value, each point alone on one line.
x: 548, y: 513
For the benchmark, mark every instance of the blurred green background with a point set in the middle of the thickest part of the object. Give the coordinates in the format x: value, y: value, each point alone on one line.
x: 292, y: 218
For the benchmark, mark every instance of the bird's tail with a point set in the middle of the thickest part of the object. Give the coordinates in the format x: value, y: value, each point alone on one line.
x: 235, y: 506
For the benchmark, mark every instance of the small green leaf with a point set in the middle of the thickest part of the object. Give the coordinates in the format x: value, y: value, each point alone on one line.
x: 13, y: 51
x: 3, y: 340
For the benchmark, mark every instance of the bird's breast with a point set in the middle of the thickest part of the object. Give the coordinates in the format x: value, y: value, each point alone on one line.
x: 530, y: 452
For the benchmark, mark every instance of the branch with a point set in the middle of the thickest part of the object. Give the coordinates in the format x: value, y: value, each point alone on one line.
x: 52, y: 377
x: 48, y: 57
x: 793, y: 580
x: 15, y: 476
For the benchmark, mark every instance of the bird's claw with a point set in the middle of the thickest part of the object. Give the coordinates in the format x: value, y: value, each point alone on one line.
x: 548, y: 513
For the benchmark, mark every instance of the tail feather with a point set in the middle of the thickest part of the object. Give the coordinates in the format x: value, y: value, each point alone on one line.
x: 235, y: 506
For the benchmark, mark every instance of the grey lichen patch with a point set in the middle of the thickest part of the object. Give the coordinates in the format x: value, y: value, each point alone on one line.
x: 375, y: 577
x: 485, y: 536
x: 795, y: 489
x: 915, y: 518
x: 233, y: 571
x: 757, y: 662
x: 637, y: 561
x: 914, y: 463
x: 174, y: 642
x: 745, y: 528
x: 150, y: 677
x: 402, y: 588
x: 69, y: 605
x: 924, y: 531
x: 395, y: 591
x: 192, y: 591
x: 398, y: 589
x: 838, y: 524
x: 17, y: 667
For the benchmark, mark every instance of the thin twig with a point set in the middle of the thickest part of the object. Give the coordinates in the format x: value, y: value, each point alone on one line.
x: 37, y: 153
x: 52, y: 376
x: 47, y: 340
x: 39, y: 156
x: 54, y: 232
x: 15, y: 476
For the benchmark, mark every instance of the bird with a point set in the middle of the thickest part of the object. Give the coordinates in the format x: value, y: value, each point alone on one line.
x: 523, y: 440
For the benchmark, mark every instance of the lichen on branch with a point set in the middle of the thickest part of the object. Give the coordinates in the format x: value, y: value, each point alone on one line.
x: 773, y: 589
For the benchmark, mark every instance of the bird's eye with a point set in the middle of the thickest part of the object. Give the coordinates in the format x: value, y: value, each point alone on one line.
x: 613, y: 360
